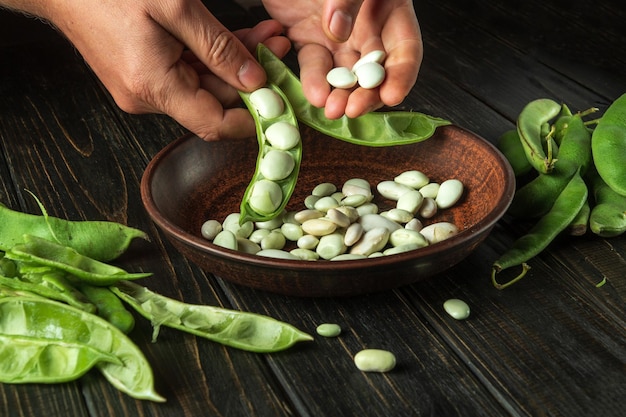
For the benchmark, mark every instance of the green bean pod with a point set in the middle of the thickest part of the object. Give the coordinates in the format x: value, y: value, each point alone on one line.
x: 580, y: 224
x: 45, y: 361
x: 286, y: 185
x: 47, y: 253
x: 511, y: 147
x: 241, y: 330
x: 562, y: 213
x: 20, y: 285
x: 109, y: 307
x: 608, y: 146
x: 535, y: 198
x: 55, y: 324
x: 608, y: 215
x: 371, y: 129
x: 99, y: 240
x: 530, y: 122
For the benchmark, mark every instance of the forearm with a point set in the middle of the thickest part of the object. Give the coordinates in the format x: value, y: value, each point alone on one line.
x: 39, y: 8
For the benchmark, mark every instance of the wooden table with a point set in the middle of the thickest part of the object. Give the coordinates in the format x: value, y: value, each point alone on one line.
x: 552, y: 345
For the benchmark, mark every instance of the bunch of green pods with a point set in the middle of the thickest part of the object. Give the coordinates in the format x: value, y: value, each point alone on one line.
x: 572, y: 174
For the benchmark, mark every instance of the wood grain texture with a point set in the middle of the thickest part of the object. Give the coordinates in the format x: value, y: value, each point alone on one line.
x: 552, y: 345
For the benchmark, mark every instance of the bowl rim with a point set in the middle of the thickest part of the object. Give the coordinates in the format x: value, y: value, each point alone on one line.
x: 200, y: 244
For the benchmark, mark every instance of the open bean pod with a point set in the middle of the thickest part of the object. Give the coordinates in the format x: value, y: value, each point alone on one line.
x: 279, y: 157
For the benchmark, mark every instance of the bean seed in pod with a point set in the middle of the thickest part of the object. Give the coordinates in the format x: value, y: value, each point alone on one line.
x: 341, y: 77
x: 373, y: 56
x: 266, y: 197
x: 370, y: 75
x: 282, y: 135
x: 375, y: 360
x: 277, y: 165
x: 267, y: 103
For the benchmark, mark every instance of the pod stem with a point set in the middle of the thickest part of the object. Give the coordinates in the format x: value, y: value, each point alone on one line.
x: 494, y: 272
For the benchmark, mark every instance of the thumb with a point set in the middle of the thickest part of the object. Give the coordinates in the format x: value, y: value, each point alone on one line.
x: 212, y: 43
x: 338, y: 18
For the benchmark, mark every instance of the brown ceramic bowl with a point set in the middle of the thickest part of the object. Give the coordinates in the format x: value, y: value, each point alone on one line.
x: 191, y: 181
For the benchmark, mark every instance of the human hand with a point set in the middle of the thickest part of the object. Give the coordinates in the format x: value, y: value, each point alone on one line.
x: 327, y: 39
x: 170, y: 57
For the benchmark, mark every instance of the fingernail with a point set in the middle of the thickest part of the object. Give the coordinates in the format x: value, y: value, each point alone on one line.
x: 340, y: 25
x: 251, y: 75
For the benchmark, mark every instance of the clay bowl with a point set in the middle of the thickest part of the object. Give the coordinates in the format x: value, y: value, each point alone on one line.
x: 191, y: 181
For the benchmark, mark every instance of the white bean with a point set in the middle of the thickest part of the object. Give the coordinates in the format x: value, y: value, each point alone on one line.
x: 405, y: 236
x: 410, y: 201
x: 247, y: 246
x: 337, y: 217
x: 341, y: 77
x: 324, y: 189
x: 353, y: 234
x: 308, y: 242
x: 231, y: 223
x: 305, y: 254
x: 277, y: 253
x: 308, y: 214
x: 414, y: 179
x: 226, y: 239
x: 450, y: 191
x: 456, y: 308
x: 291, y: 231
x: 372, y: 241
x: 438, y: 232
x: 372, y: 221
x: 392, y: 190
x: 430, y: 190
x: 210, y: 229
x: 370, y: 75
x: 331, y: 246
x: 375, y: 360
x: 319, y: 227
x: 428, y: 208
x: 373, y: 56
x: 326, y: 203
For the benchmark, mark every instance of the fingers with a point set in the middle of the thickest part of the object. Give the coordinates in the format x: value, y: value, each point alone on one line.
x: 338, y: 17
x: 219, y: 49
x: 315, y: 61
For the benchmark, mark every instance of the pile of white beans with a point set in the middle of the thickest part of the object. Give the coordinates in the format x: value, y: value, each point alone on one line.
x: 368, y: 72
x: 346, y: 224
